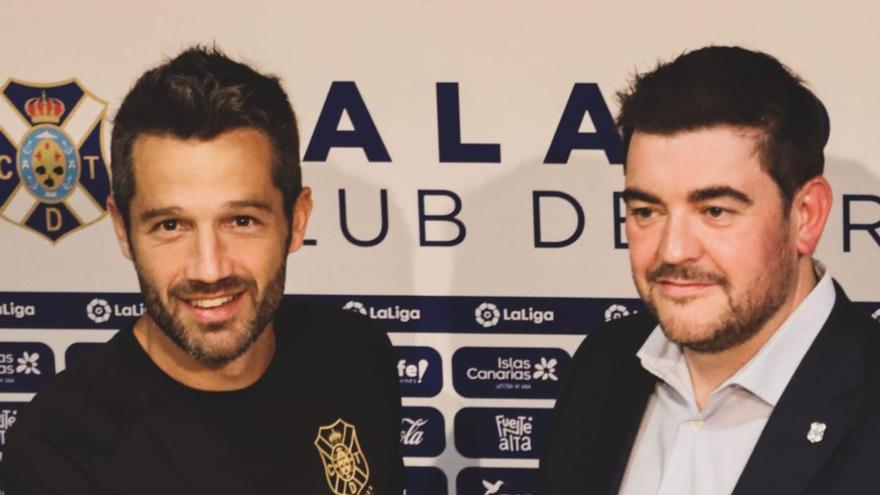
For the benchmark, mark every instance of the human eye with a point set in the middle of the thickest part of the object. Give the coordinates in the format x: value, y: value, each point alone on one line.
x: 167, y: 225
x: 642, y: 215
x: 166, y: 228
x: 718, y: 214
x: 244, y: 222
x: 715, y: 211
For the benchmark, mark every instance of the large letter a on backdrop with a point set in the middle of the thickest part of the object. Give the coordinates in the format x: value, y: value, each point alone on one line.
x: 345, y: 97
x: 585, y: 99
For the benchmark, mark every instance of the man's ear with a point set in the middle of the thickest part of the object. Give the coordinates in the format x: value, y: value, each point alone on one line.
x: 302, y: 209
x: 119, y: 227
x: 809, y: 211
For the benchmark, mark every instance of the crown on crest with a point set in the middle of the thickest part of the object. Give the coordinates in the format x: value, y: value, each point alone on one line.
x: 335, y: 437
x: 44, y: 110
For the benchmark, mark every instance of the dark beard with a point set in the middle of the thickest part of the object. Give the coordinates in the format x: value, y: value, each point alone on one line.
x: 740, y: 324
x: 177, y: 332
x: 744, y: 319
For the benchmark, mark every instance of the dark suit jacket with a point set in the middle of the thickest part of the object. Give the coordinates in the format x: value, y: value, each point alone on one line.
x: 837, y: 383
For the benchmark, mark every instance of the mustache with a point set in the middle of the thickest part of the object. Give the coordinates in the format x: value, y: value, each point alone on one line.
x: 188, y: 289
x: 686, y: 273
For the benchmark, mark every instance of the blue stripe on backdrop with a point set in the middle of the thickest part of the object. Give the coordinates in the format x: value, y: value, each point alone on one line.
x: 87, y: 310
x: 455, y: 314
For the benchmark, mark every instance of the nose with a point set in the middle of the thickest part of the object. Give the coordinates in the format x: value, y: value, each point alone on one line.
x: 680, y: 242
x: 209, y: 262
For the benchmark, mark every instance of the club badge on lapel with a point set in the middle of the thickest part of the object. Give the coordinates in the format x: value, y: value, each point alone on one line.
x: 817, y: 432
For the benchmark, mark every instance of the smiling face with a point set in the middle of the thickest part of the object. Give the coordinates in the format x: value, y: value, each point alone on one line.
x: 712, y: 250
x: 209, y: 239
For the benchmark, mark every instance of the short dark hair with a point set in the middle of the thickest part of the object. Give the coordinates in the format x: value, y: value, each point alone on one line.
x: 725, y: 85
x: 201, y: 94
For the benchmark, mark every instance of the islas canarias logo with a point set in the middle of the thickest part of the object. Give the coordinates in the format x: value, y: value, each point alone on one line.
x: 53, y: 174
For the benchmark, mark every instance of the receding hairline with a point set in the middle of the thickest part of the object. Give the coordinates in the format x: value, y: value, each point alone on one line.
x: 274, y: 159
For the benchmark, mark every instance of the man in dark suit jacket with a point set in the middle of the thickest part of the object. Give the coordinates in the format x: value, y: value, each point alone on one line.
x: 752, y: 374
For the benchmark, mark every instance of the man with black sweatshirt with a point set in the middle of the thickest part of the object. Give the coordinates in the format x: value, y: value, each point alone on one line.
x: 220, y: 387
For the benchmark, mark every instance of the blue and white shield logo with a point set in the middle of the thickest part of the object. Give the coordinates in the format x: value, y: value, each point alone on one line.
x: 53, y: 174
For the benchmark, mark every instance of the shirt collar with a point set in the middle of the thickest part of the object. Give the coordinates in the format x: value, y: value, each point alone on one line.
x: 769, y: 371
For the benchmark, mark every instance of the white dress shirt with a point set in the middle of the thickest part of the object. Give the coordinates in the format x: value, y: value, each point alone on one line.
x: 680, y: 450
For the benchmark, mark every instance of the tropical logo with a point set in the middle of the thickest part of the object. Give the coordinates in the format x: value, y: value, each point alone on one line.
x: 53, y: 174
x: 25, y: 366
x: 508, y: 372
x: 27, y: 363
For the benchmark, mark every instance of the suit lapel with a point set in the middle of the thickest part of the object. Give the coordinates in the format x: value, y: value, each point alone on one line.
x: 615, y: 425
x: 824, y: 389
x: 623, y: 436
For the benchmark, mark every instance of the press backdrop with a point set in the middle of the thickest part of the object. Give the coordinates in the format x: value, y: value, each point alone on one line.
x: 464, y: 167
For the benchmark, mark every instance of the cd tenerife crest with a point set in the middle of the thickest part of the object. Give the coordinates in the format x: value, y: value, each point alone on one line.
x: 345, y: 465
x: 53, y: 174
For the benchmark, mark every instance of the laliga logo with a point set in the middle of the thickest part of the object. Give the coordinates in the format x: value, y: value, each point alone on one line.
x: 356, y: 306
x: 17, y: 311
x: 488, y: 315
x: 389, y: 313
x: 98, y: 310
x: 876, y: 315
x: 616, y: 312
